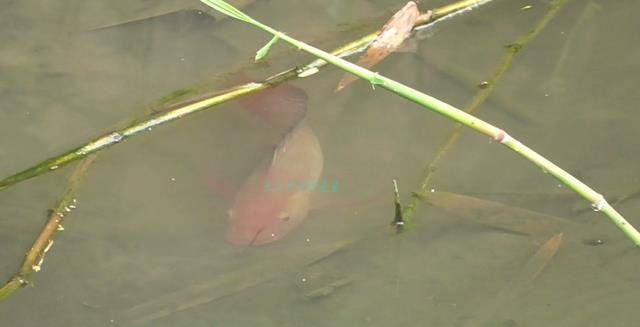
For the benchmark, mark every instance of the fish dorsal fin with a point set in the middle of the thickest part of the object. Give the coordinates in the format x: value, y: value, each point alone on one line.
x: 281, y: 147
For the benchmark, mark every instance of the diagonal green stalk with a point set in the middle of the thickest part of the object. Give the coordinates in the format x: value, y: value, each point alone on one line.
x: 205, y: 101
x: 121, y: 135
x: 481, y: 96
x: 597, y: 201
x: 43, y: 243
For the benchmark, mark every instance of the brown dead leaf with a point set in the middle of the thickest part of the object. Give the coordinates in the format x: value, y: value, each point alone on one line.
x: 519, y: 286
x: 392, y: 35
x: 541, y: 259
x: 495, y: 214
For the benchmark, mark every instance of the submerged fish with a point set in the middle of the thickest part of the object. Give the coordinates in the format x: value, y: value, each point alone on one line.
x: 276, y: 197
x: 282, y: 106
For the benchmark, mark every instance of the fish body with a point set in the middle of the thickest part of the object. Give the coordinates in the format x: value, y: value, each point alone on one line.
x: 275, y: 198
x: 282, y: 107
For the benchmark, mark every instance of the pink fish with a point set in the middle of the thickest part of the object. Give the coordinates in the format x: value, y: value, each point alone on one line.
x: 276, y: 197
x: 282, y: 106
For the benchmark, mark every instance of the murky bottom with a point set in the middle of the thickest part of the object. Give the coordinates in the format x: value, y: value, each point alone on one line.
x: 145, y: 245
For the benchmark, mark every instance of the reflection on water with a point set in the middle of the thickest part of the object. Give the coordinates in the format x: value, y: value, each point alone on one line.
x: 146, y: 244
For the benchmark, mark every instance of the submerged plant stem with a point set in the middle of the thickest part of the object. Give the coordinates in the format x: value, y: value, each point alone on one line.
x: 597, y: 201
x: 44, y: 242
x: 481, y: 96
x: 192, y: 106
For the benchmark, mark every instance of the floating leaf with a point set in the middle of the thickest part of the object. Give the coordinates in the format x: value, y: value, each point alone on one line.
x: 391, y: 37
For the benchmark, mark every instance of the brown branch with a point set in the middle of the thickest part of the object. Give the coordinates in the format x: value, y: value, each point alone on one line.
x: 42, y: 245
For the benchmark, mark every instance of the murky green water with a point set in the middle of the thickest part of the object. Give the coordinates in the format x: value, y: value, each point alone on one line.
x: 146, y: 247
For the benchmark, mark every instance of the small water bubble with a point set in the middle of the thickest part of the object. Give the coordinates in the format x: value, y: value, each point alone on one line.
x: 597, y: 206
x: 559, y: 185
x: 181, y: 58
x: 546, y: 94
x: 308, y: 240
x: 273, y: 235
x: 60, y: 228
x: 75, y: 200
x: 304, y: 280
x: 67, y: 209
x: 149, y: 129
x: 72, y: 206
x: 432, y: 190
x: 173, y: 179
x: 54, y: 167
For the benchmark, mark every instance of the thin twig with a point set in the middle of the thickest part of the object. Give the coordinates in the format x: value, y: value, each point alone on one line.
x: 42, y: 245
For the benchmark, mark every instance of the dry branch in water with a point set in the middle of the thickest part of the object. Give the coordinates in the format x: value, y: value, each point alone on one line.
x: 391, y: 37
x: 35, y: 256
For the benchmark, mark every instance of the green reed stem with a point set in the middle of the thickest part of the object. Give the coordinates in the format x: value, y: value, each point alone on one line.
x: 481, y: 96
x: 597, y: 201
x: 43, y: 243
x: 201, y: 103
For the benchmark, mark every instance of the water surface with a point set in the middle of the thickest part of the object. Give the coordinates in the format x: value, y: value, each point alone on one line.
x: 148, y: 234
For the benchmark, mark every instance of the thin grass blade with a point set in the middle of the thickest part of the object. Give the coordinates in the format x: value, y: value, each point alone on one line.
x: 228, y: 10
x: 262, y: 52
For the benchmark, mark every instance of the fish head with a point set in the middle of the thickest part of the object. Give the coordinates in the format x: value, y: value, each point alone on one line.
x: 267, y: 218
